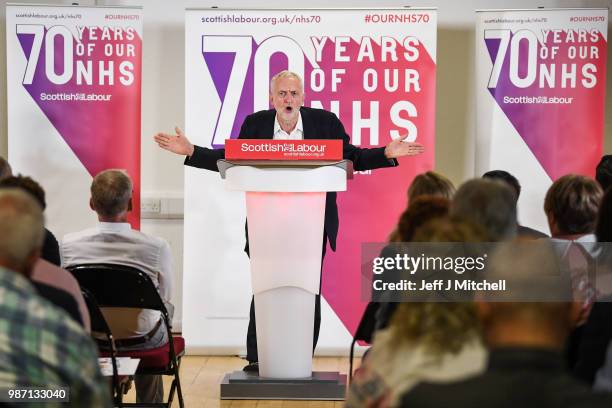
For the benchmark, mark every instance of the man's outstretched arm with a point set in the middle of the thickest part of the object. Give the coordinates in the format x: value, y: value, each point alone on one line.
x: 178, y: 143
x: 376, y: 157
x: 196, y: 156
x: 399, y: 148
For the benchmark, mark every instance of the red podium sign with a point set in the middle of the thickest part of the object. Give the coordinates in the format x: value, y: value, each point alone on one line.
x: 258, y: 149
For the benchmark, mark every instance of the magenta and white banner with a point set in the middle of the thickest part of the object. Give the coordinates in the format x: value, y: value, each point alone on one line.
x: 541, y: 81
x: 375, y: 69
x: 74, y: 86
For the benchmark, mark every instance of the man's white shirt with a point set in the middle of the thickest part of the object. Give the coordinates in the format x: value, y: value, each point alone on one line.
x: 296, y: 134
x: 118, y: 243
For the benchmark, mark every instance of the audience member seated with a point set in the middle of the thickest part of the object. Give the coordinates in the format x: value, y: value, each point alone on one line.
x: 5, y: 169
x: 61, y: 299
x: 490, y: 204
x: 603, y: 380
x: 48, y: 274
x: 50, y: 250
x: 501, y: 175
x: 603, y: 172
x: 41, y: 346
x: 571, y: 206
x: 421, y: 211
x: 595, y: 349
x: 526, y: 367
x: 114, y: 241
x: 425, y: 341
x: 56, y: 285
x: 427, y: 184
x: 430, y: 184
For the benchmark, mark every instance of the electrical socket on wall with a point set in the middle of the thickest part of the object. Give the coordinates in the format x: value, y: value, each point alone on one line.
x: 150, y: 206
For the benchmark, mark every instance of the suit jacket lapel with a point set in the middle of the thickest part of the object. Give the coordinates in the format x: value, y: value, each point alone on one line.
x: 267, y: 129
x: 310, y: 131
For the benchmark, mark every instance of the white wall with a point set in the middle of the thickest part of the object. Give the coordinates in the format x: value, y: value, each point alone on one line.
x: 163, y: 90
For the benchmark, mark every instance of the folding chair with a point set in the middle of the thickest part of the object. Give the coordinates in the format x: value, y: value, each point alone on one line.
x: 99, y: 325
x: 123, y: 286
x: 364, y: 332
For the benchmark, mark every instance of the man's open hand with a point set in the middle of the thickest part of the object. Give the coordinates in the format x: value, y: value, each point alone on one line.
x: 178, y: 143
x: 399, y: 148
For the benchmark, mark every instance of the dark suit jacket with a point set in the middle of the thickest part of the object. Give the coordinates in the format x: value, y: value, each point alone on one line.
x: 594, y: 341
x: 317, y: 124
x: 50, y: 249
x: 515, y: 377
x: 530, y: 233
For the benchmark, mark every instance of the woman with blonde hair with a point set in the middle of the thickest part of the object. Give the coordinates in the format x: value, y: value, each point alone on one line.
x: 425, y: 341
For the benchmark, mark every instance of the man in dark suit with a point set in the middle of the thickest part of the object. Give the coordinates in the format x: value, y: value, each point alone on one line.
x: 289, y: 120
x: 502, y: 175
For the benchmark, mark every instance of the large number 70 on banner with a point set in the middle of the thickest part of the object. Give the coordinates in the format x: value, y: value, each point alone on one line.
x: 541, y: 80
x: 73, y: 80
x: 375, y: 69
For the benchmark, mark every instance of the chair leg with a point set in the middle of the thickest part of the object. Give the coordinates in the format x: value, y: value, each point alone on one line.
x: 171, y: 392
x: 176, y: 386
x: 179, y: 392
x: 120, y: 392
x: 351, y: 355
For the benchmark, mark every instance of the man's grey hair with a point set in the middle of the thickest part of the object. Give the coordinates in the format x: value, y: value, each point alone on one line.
x: 5, y: 169
x: 21, y: 226
x: 286, y: 74
x: 489, y: 203
x: 111, y: 191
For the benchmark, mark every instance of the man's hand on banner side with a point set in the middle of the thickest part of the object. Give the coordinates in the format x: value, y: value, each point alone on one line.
x: 178, y: 143
x: 399, y: 148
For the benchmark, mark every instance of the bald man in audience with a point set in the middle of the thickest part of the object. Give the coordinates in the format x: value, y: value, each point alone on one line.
x: 41, y: 346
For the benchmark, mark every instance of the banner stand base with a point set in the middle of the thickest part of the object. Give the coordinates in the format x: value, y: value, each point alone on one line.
x: 322, y: 385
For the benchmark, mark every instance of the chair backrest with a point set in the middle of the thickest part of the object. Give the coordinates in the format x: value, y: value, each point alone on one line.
x: 119, y: 286
x: 98, y: 322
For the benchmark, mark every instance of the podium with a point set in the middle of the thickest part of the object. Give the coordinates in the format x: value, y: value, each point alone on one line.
x: 285, y: 202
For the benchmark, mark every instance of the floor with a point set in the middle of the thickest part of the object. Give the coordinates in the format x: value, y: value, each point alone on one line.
x: 201, y: 376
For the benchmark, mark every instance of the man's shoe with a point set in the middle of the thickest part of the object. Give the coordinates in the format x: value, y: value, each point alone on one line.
x: 252, y: 367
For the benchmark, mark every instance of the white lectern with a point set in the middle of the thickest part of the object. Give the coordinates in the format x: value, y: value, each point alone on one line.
x: 285, y: 203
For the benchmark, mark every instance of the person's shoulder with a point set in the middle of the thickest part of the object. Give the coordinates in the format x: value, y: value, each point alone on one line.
x: 530, y: 233
x: 461, y: 393
x: 78, y: 235
x: 40, y: 313
x: 145, y: 238
x: 49, y: 236
x: 317, y: 113
x: 261, y: 115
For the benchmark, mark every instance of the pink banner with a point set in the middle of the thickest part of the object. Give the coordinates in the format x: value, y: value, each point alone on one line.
x: 82, y: 70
